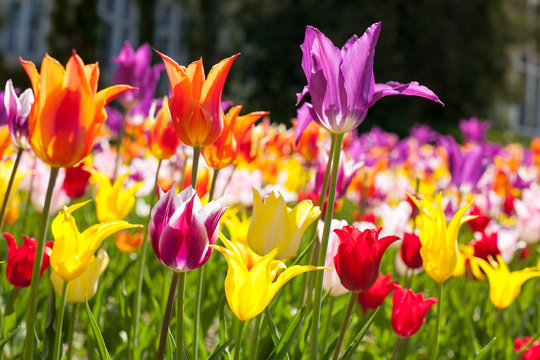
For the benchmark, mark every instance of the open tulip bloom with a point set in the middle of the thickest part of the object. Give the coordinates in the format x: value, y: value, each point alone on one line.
x: 181, y: 229
x: 341, y: 82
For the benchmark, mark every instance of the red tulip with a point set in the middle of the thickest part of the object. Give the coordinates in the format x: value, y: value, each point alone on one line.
x: 359, y: 255
x: 375, y: 295
x: 409, y: 311
x: 480, y: 223
x: 410, y: 251
x: 486, y: 247
x: 76, y: 181
x: 21, y: 260
x: 532, y: 353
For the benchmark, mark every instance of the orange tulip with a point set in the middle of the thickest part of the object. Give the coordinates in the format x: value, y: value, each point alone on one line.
x: 68, y: 112
x: 163, y: 140
x: 223, y: 151
x: 196, y: 103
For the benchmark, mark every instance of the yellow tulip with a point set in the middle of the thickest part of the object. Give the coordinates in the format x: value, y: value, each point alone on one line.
x: 439, y: 249
x: 84, y: 286
x: 72, y: 250
x: 112, y: 201
x: 274, y: 225
x: 249, y: 292
x: 466, y: 257
x: 504, y: 285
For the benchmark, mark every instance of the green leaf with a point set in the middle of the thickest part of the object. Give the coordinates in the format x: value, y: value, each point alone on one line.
x: 358, y: 339
x: 9, y: 336
x: 284, y: 344
x: 482, y: 354
x: 216, y: 354
x: 103, y: 353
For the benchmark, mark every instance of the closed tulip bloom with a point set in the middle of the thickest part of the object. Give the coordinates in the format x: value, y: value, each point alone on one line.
x: 532, y: 353
x: 249, y: 291
x: 505, y: 285
x: 21, y: 260
x: 359, y: 255
x: 85, y: 286
x: 112, y: 201
x: 223, y: 151
x: 68, y: 111
x: 181, y: 229
x: 275, y: 226
x: 162, y: 139
x: 196, y: 102
x: 409, y: 311
x: 341, y: 81
x: 17, y: 111
x: 73, y: 250
x: 76, y: 181
x: 439, y: 242
x: 410, y: 251
x: 375, y: 295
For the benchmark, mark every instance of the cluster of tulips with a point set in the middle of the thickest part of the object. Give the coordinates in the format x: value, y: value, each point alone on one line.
x: 251, y: 197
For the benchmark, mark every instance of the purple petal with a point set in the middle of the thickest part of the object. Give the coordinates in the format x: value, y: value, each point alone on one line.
x: 210, y: 214
x: 395, y: 88
x: 160, y: 216
x: 304, y: 116
x: 357, y: 70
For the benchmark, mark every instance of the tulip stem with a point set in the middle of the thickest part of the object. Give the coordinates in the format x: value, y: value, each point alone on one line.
x: 57, y: 349
x: 7, y: 311
x: 8, y: 190
x: 213, y: 185
x: 308, y: 280
x: 33, y: 296
x: 238, y: 340
x: 28, y: 200
x: 180, y: 317
x: 256, y: 336
x: 338, y: 139
x: 395, y: 353
x: 328, y: 321
x: 195, y: 167
x: 345, y: 324
x: 435, y: 343
x: 71, y: 329
x: 140, y: 272
x: 167, y: 318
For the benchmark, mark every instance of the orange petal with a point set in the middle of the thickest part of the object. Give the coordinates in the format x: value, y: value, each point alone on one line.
x: 213, y: 86
x: 106, y: 95
x: 92, y: 74
x: 175, y: 72
x: 244, y: 123
x: 195, y: 72
x: 32, y: 73
x: 75, y: 78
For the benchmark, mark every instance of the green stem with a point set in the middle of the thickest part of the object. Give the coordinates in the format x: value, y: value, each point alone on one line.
x: 71, y: 329
x: 8, y: 310
x: 33, y: 296
x: 328, y: 321
x: 256, y: 336
x: 195, y: 166
x: 213, y: 186
x: 167, y: 318
x: 395, y: 353
x: 308, y: 280
x: 8, y: 190
x: 435, y: 343
x: 57, y: 349
x: 345, y: 324
x: 140, y: 272
x: 180, y: 317
x: 322, y: 251
x: 238, y: 340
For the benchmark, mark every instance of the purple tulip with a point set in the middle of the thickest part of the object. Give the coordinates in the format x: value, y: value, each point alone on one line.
x: 474, y: 130
x: 466, y: 168
x: 341, y: 82
x: 181, y: 229
x: 423, y: 134
x: 135, y: 69
x: 17, y: 109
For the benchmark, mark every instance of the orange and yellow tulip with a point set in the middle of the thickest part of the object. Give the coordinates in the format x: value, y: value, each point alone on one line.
x: 223, y: 151
x: 196, y: 103
x: 163, y: 141
x: 68, y: 111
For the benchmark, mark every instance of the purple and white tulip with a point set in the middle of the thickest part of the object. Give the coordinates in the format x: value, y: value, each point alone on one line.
x: 17, y: 109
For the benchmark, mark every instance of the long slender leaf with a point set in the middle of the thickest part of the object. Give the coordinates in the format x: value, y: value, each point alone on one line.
x: 284, y: 344
x: 217, y: 352
x: 103, y: 353
x: 482, y: 354
x: 9, y: 336
x: 358, y: 339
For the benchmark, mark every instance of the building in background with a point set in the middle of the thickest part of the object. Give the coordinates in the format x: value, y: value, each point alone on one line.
x: 26, y: 24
